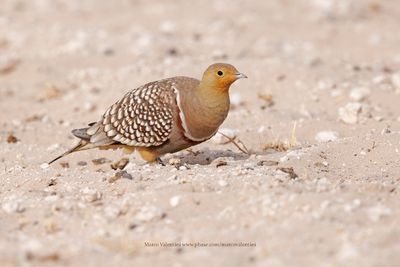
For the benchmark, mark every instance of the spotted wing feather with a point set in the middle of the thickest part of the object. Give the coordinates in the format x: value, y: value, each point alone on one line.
x: 143, y: 117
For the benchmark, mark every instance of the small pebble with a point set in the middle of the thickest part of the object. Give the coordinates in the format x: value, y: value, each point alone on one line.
x: 120, y: 164
x: 218, y: 138
x: 119, y: 175
x: 52, y: 198
x: 64, y: 164
x: 100, y: 161
x: 167, y: 27
x: 377, y: 212
x: 50, y: 91
x: 220, y: 162
x: 183, y: 168
x: 359, y: 94
x: 395, y: 79
x: 174, y: 161
x: 386, y: 130
x: 50, y: 225
x: 174, y: 201
x: 8, y: 64
x: 13, y: 206
x: 326, y: 136
x: 44, y: 165
x: 267, y: 163
x: 53, y: 147
x: 173, y: 178
x: 90, y: 194
x: 11, y: 139
x: 267, y: 98
x: 356, y: 203
x: 112, y: 212
x: 379, y: 79
x: 52, y: 182
x: 149, y: 213
x: 222, y: 183
x: 349, y: 113
x: 236, y: 100
x: 289, y: 171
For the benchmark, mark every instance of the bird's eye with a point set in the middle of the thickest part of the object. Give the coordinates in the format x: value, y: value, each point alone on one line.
x: 220, y: 73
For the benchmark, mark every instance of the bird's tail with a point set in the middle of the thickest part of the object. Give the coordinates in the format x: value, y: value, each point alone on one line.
x: 82, y: 145
x: 91, y: 137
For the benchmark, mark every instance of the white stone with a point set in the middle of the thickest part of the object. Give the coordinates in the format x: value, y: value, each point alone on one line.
x: 395, y: 79
x: 359, y: 94
x: 90, y: 194
x: 324, y: 84
x: 377, y: 212
x: 356, y: 203
x: 347, y: 251
x: 218, y: 138
x: 174, y: 201
x: 88, y: 106
x: 261, y: 129
x: 325, y: 204
x: 44, y: 165
x: 112, y: 212
x: 222, y: 183
x: 349, y: 113
x: 167, y: 27
x: 53, y: 147
x: 336, y: 92
x: 148, y: 213
x: 173, y: 177
x: 326, y: 136
x: 183, y: 168
x: 32, y: 246
x: 379, y: 79
x: 13, y: 206
x: 236, y: 99
x: 52, y: 198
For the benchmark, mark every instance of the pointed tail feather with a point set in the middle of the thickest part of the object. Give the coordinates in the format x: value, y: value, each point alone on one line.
x: 82, y: 145
x: 90, y: 137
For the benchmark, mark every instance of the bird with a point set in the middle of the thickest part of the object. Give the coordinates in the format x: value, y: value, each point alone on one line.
x: 163, y: 116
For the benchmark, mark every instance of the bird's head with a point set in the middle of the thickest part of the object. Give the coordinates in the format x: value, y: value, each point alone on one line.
x: 220, y: 76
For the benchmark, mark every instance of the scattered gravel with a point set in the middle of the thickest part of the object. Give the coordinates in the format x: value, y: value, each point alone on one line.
x: 325, y: 191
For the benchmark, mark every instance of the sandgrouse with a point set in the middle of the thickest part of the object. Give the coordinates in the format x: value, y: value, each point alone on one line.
x: 163, y: 116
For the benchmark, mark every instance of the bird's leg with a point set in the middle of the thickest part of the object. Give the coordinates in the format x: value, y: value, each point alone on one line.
x: 159, y: 161
x: 148, y: 154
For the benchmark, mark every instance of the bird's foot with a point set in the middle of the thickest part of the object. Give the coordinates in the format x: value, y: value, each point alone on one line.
x: 182, y: 166
x: 159, y: 161
x: 178, y: 164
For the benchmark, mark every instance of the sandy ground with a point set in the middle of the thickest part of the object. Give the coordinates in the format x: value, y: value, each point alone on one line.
x: 332, y: 68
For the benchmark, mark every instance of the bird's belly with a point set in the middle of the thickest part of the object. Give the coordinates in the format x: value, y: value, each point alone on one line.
x: 174, y: 144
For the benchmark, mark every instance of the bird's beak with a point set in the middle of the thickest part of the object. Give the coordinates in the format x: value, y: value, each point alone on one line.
x: 240, y: 76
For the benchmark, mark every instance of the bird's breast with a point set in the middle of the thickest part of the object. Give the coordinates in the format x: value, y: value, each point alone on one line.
x: 201, y: 118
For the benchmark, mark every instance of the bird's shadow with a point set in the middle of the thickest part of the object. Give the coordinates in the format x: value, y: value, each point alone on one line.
x: 206, y: 157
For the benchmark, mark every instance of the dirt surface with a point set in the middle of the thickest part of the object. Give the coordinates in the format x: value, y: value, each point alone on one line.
x: 324, y: 83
